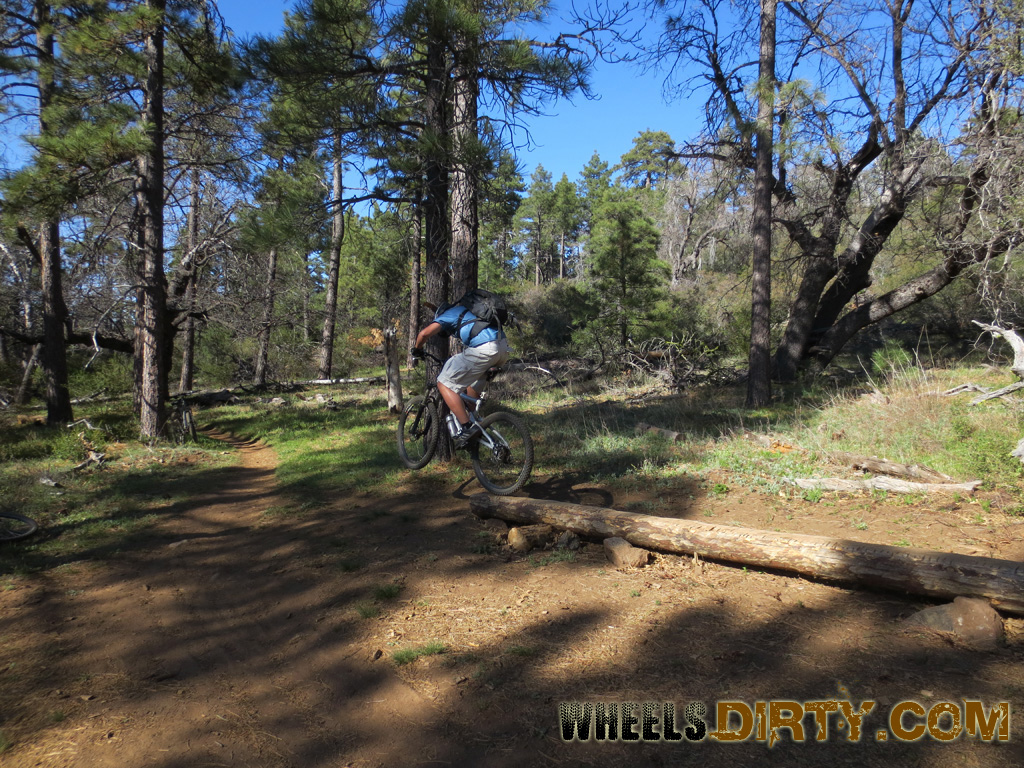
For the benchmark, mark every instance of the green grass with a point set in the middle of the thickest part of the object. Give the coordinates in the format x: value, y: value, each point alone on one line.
x: 587, y: 440
x: 95, y: 512
x: 409, y: 655
x: 368, y: 610
x: 555, y: 556
x: 387, y: 591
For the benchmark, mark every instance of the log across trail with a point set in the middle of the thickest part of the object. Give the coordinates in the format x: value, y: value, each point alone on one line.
x: 904, y: 569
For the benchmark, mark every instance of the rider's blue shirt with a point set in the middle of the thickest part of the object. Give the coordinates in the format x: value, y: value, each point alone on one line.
x: 449, y: 320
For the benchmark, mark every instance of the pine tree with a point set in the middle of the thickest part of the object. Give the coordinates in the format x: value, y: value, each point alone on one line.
x: 627, y: 275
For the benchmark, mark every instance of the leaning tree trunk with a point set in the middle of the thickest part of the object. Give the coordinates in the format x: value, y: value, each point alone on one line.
x: 22, y: 395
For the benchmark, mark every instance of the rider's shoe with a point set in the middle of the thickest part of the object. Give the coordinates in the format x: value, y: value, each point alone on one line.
x: 467, y: 435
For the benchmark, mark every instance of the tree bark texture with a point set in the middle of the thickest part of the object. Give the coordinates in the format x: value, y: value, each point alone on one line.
x: 759, y: 379
x: 435, y: 142
x: 464, y: 201
x: 149, y: 195
x: 902, y: 569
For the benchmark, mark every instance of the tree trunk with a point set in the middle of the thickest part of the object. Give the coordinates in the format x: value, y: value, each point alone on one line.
x: 263, y: 340
x: 334, y: 266
x: 188, y: 342
x: 435, y: 207
x: 903, y: 569
x: 54, y: 356
x: 55, y: 362
x: 912, y: 292
x: 415, y: 245
x: 465, y: 223
x: 149, y: 195
x: 759, y: 378
x: 392, y: 371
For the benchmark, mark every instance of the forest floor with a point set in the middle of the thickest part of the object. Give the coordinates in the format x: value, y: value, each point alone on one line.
x: 227, y: 635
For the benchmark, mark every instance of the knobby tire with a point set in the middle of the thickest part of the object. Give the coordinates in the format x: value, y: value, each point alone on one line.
x: 14, y: 526
x: 417, y: 433
x: 504, y: 470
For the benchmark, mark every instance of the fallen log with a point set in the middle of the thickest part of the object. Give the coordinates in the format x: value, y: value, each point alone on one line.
x: 882, y: 484
x: 895, y: 469
x: 902, y: 569
x: 530, y: 537
x: 359, y: 380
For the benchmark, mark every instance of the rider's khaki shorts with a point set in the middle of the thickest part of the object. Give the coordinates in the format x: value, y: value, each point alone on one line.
x: 467, y: 368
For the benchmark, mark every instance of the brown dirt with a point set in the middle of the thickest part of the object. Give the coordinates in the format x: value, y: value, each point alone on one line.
x: 227, y: 635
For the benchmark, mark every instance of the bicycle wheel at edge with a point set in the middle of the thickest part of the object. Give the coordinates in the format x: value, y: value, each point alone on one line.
x: 14, y: 527
x: 417, y: 433
x: 505, y: 469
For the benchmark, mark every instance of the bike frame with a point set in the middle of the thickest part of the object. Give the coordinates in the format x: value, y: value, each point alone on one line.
x: 474, y: 404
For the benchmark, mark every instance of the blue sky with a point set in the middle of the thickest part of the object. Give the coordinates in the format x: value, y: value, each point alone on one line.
x: 570, y: 132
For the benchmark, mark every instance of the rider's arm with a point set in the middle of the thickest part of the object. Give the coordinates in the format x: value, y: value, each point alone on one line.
x: 426, y: 333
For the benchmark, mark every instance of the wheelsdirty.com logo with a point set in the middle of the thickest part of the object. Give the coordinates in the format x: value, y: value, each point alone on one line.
x: 772, y: 721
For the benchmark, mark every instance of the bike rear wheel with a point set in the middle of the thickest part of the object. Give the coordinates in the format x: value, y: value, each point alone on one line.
x: 417, y: 433
x: 14, y: 526
x: 504, y: 466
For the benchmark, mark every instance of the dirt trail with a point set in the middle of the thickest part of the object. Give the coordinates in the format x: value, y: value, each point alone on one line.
x: 228, y: 634
x: 217, y: 643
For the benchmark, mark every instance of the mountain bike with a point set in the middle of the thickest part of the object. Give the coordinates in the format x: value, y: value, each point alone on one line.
x: 501, y: 450
x: 14, y: 526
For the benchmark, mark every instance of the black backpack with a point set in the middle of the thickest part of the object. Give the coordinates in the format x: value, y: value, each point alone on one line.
x: 490, y: 310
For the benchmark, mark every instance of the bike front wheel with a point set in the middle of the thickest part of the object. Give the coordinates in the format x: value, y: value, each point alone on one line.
x: 503, y: 455
x: 14, y: 526
x: 417, y: 433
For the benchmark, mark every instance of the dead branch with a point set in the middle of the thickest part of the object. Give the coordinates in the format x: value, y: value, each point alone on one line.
x: 882, y: 484
x: 886, y: 467
x: 1012, y: 338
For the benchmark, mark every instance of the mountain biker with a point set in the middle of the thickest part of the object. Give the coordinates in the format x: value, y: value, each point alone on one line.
x: 464, y: 372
